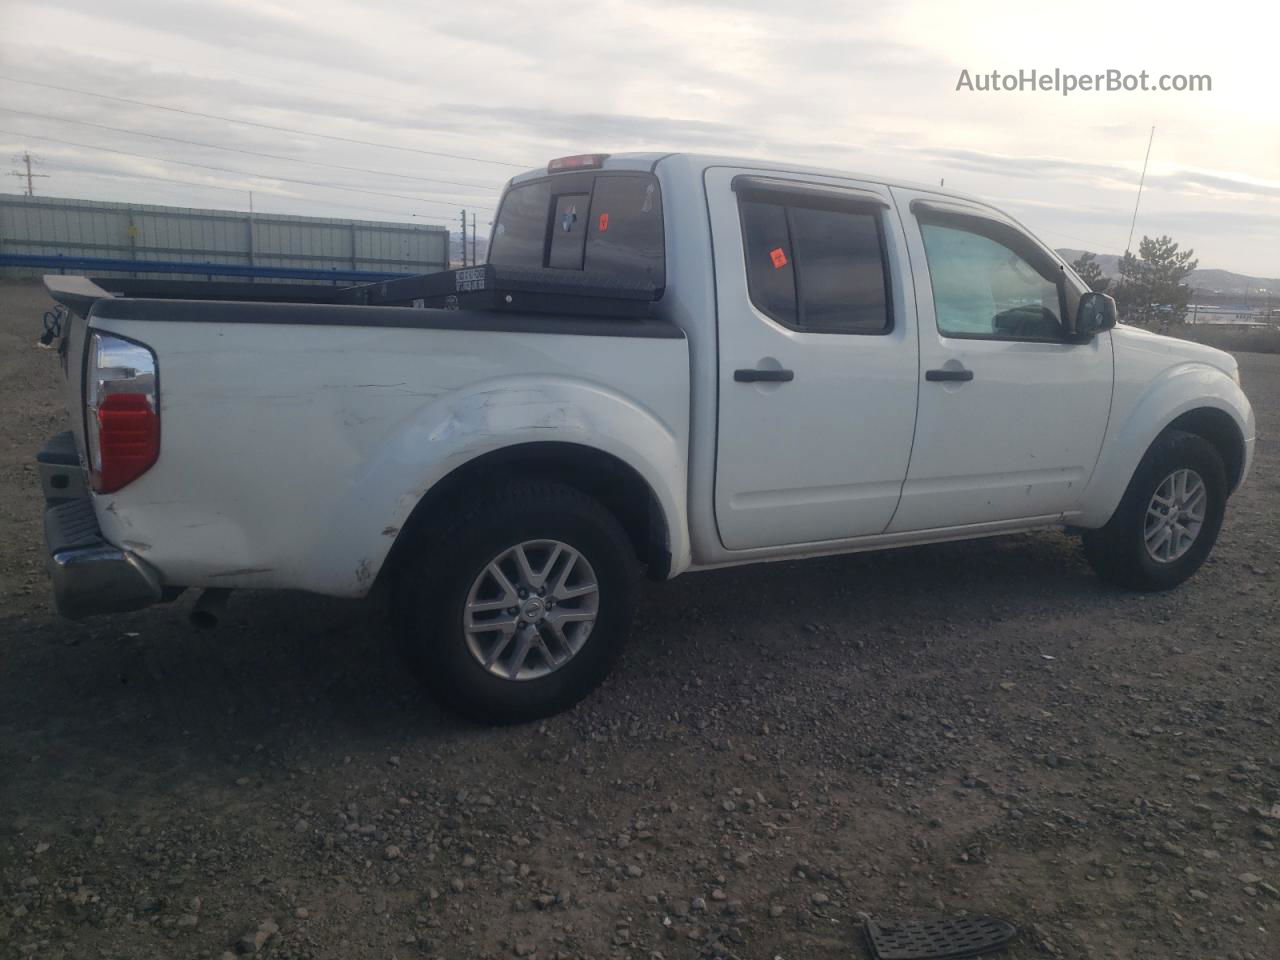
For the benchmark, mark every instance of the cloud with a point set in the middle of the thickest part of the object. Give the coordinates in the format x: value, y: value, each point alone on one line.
x: 1029, y: 167
x: 1248, y: 188
x: 1237, y: 221
x: 612, y: 129
x: 868, y: 88
x: 271, y: 31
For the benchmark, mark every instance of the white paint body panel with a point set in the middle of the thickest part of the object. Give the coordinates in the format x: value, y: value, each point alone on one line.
x: 1158, y: 379
x: 822, y: 457
x: 291, y: 455
x: 1018, y: 440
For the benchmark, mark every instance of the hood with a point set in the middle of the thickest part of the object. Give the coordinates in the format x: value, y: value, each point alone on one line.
x: 1135, y: 339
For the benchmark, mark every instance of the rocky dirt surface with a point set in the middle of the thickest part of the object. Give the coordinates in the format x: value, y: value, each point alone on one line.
x: 784, y: 750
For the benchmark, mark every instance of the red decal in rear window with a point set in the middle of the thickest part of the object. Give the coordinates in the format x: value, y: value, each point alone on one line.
x: 778, y: 257
x: 604, y: 222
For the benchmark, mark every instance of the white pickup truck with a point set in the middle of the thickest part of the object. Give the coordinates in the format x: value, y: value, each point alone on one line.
x: 818, y: 363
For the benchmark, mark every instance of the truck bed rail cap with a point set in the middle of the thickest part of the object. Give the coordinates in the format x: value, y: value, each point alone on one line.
x: 77, y: 294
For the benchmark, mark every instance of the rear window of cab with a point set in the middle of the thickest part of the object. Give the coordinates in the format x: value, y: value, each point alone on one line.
x: 597, y: 222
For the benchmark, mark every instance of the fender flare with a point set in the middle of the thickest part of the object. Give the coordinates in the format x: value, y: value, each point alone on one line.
x: 1179, y: 390
x: 487, y: 416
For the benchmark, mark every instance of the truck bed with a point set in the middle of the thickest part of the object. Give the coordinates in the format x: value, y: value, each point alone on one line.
x: 297, y: 437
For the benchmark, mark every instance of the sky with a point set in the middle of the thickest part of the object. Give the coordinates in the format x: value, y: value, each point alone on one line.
x: 449, y: 100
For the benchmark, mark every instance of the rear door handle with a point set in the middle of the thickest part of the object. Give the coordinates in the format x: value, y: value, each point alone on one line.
x: 937, y: 376
x: 756, y: 375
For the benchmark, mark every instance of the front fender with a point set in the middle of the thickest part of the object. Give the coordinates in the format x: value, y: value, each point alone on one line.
x: 1136, y: 423
x: 458, y: 427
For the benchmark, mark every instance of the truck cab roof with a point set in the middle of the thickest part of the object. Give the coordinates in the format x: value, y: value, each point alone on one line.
x: 649, y: 161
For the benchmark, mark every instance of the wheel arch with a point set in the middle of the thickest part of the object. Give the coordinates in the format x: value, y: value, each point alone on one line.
x: 1220, y: 429
x: 576, y: 430
x: 601, y: 475
x: 1193, y: 397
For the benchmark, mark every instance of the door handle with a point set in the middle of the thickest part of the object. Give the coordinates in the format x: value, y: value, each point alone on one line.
x: 756, y: 375
x: 937, y: 376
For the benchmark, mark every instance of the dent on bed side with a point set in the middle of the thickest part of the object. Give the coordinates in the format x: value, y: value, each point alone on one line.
x: 439, y: 438
x: 364, y: 572
x: 242, y: 572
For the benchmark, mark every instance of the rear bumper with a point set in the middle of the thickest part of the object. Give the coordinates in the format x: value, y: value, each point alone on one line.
x: 61, y: 476
x: 89, y: 574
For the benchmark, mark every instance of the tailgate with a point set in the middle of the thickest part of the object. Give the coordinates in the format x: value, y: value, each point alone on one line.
x: 78, y: 295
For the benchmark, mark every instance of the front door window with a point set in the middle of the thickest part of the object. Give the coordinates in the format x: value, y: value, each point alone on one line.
x: 984, y: 288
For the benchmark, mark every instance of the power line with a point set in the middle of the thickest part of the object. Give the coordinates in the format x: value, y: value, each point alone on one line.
x: 264, y: 126
x: 245, y: 190
x: 251, y: 153
x: 242, y: 173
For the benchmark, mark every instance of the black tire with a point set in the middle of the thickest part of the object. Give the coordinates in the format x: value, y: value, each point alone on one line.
x: 433, y: 583
x: 1118, y: 553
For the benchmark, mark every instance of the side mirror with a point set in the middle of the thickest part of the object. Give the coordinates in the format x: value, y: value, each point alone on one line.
x: 1096, y: 312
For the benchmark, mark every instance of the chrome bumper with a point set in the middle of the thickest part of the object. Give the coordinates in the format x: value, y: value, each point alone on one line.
x: 89, y: 574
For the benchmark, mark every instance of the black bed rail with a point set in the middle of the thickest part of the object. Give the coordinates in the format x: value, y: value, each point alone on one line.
x: 487, y: 287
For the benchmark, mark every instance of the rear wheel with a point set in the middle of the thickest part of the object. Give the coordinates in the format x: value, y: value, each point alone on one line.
x: 1169, y: 517
x: 521, y: 605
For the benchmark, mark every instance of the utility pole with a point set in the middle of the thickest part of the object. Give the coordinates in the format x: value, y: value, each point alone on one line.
x: 26, y: 160
x: 473, y: 239
x: 464, y: 237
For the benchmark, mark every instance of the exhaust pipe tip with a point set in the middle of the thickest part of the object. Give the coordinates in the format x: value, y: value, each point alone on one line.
x: 210, y: 608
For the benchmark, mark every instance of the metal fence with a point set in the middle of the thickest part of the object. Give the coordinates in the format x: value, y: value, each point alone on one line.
x: 52, y: 226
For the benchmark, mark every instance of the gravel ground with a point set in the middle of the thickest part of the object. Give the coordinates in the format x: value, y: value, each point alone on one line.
x: 785, y: 749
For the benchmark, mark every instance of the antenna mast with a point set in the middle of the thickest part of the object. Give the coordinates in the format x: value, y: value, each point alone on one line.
x: 1134, y: 222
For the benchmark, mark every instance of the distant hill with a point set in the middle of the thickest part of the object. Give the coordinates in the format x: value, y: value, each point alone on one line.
x: 1208, y: 281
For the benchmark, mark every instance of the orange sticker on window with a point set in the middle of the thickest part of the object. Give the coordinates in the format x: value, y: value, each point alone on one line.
x: 604, y: 222
x: 778, y: 257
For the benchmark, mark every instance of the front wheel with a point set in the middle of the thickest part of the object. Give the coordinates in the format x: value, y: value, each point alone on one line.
x: 1169, y: 517
x: 521, y: 605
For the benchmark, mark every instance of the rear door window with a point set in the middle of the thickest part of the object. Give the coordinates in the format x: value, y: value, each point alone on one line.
x: 817, y: 267
x: 771, y: 272
x: 842, y: 271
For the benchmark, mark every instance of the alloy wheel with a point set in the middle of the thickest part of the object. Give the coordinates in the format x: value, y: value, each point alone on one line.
x: 1175, y: 515
x: 531, y: 609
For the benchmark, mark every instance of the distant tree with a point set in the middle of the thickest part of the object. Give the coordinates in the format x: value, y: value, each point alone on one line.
x: 1131, y: 290
x: 1151, y: 290
x: 1087, y: 267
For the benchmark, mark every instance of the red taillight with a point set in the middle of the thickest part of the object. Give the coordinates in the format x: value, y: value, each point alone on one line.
x: 122, y: 410
x: 582, y: 161
x: 128, y: 440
